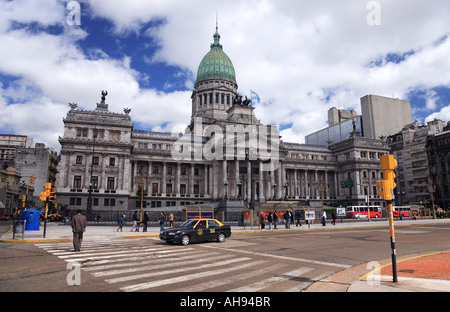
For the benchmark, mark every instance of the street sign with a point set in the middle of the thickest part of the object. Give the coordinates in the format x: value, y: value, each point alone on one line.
x: 310, y: 214
x: 347, y: 184
x: 340, y: 212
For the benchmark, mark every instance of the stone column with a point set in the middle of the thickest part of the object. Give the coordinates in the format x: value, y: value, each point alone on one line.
x: 163, y: 178
x: 177, y: 180
x: 261, y: 182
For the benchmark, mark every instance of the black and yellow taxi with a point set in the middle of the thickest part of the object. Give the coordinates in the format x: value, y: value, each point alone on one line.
x: 196, y: 230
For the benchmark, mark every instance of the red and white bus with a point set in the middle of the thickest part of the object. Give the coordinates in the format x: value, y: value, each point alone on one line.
x: 361, y: 211
x: 404, y: 210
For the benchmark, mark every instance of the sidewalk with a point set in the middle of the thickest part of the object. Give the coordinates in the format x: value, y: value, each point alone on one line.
x: 410, y: 277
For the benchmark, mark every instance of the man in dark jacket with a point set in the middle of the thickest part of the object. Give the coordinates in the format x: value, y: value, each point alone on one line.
x: 78, y: 228
x: 145, y: 221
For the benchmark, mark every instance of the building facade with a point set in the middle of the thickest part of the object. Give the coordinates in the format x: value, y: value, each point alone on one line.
x: 8, y: 145
x: 40, y: 162
x: 383, y: 116
x: 226, y: 157
x: 412, y: 173
x: 438, y: 151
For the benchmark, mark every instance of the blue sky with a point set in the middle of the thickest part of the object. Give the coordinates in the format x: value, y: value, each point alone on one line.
x: 301, y: 57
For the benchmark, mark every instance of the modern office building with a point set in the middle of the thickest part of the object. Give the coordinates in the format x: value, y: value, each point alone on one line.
x: 381, y: 117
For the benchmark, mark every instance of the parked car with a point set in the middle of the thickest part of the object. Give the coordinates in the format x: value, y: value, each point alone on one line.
x: 360, y: 216
x: 6, y: 217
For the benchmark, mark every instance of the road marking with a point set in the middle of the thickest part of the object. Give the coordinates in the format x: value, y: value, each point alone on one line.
x: 233, y: 279
x: 190, y: 277
x: 141, y: 261
x: 267, y: 283
x: 302, y: 285
x: 344, y: 266
x: 172, y: 271
x: 157, y: 267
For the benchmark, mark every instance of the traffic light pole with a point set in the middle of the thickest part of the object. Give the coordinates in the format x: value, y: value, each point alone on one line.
x: 45, y: 217
x: 392, y: 234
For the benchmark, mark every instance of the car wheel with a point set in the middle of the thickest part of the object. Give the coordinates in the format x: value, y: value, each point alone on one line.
x: 185, y: 240
x: 221, y: 237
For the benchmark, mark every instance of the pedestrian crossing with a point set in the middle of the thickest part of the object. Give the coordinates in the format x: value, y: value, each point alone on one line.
x: 146, y: 265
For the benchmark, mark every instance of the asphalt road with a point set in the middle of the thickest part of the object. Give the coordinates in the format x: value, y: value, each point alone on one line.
x: 267, y: 262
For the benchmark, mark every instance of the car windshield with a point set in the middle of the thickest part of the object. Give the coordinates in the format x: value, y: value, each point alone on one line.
x: 189, y: 223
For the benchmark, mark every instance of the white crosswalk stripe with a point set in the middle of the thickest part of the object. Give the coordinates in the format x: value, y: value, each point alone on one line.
x: 268, y: 282
x: 143, y: 266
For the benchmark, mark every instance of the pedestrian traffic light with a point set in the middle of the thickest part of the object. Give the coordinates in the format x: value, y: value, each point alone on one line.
x: 44, y: 195
x: 51, y: 196
x: 388, y: 164
x: 385, y: 191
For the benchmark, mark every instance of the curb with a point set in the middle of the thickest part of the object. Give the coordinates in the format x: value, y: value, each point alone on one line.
x: 43, y: 240
x: 141, y: 235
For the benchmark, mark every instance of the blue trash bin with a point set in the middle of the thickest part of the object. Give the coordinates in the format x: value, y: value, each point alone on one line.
x: 32, y: 218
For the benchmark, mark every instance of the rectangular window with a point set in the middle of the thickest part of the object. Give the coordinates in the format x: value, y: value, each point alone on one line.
x: 77, y: 182
x: 110, y: 185
x: 94, y: 182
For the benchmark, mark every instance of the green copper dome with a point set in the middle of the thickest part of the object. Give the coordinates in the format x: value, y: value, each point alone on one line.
x: 216, y: 64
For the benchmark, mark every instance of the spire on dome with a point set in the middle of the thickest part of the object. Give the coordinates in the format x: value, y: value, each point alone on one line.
x: 217, y: 35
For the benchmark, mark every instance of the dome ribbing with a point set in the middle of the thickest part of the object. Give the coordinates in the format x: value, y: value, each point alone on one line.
x: 216, y: 63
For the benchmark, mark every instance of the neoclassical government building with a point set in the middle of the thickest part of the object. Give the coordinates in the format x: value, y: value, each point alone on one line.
x: 226, y: 157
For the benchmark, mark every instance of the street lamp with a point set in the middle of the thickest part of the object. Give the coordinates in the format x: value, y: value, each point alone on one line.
x: 432, y: 190
x: 142, y: 182
x: 89, y: 200
x: 225, y: 184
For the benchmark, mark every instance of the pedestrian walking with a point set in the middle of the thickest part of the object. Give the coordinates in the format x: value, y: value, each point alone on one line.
x: 298, y: 218
x: 275, y: 220
x: 145, y: 221
x: 333, y: 217
x: 324, y: 218
x: 261, y: 221
x: 270, y: 219
x: 121, y: 222
x: 287, y: 219
x: 78, y: 228
x: 135, y: 226
x: 171, y: 219
x: 162, y: 219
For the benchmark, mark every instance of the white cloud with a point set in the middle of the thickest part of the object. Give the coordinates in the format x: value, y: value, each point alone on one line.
x: 443, y: 114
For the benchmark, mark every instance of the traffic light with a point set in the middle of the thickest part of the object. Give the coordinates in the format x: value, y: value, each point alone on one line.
x: 51, y: 196
x: 388, y: 164
x: 385, y: 191
x: 32, y: 178
x: 48, y: 187
x: 44, y: 195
